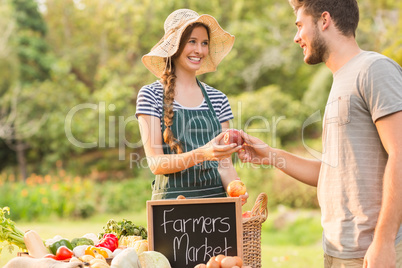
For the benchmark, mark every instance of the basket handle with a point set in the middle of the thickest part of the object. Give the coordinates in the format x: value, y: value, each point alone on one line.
x: 260, y: 207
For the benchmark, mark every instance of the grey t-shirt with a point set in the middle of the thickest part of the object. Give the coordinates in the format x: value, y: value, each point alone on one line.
x: 365, y: 89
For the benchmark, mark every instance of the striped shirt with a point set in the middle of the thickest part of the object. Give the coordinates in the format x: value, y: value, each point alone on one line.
x: 150, y: 97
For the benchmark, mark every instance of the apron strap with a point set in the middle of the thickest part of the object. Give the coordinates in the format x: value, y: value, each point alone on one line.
x: 204, y: 92
x: 202, y: 180
x: 206, y: 97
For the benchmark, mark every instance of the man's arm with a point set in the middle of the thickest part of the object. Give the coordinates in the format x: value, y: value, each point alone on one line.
x: 382, y: 251
x: 257, y: 152
x: 302, y: 169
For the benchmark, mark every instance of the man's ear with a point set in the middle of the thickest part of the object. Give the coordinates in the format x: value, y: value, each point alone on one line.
x: 325, y: 20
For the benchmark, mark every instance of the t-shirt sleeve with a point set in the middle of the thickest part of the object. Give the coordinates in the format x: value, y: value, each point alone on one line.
x: 147, y: 102
x: 226, y: 111
x: 383, y: 89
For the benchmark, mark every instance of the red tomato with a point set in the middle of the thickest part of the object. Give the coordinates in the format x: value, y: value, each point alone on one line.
x: 64, y: 253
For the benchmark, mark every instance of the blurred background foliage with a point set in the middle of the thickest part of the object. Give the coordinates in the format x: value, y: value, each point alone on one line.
x: 62, y: 196
x: 70, y: 72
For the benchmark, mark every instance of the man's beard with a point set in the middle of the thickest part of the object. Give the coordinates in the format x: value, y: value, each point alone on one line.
x: 318, y: 50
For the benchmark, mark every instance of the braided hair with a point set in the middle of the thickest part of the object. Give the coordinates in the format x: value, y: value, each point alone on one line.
x: 168, y: 80
x: 169, y: 83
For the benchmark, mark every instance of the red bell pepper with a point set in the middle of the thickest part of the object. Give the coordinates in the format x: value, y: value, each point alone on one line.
x: 109, y: 241
x: 50, y: 256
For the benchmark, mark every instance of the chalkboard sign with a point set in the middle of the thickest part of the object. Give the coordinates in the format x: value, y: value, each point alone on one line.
x: 191, y: 231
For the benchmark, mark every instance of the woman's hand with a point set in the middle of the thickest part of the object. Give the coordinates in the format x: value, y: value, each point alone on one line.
x: 215, y: 150
x: 255, y: 151
x: 244, y: 198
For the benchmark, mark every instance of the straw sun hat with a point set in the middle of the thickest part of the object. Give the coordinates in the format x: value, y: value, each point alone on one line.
x: 220, y: 43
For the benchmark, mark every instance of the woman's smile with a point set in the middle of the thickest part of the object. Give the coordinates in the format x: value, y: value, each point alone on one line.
x: 196, y: 48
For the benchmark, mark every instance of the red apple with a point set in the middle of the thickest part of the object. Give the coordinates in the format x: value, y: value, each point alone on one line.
x: 233, y: 136
x: 236, y: 188
x: 247, y: 214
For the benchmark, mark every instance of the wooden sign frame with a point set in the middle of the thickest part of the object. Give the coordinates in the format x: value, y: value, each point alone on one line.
x: 211, y: 205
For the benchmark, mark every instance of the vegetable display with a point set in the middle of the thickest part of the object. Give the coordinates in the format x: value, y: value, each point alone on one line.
x: 35, y: 245
x: 63, y: 242
x: 53, y: 240
x: 9, y: 232
x: 123, y: 228
x: 79, y: 251
x: 141, y: 246
x: 131, y: 251
x: 153, y: 259
x: 109, y: 241
x: 93, y: 237
x: 80, y: 241
x: 128, y: 258
x: 64, y: 253
x: 91, y: 250
x: 129, y: 241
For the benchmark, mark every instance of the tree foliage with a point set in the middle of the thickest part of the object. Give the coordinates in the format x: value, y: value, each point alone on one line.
x: 77, y: 64
x: 29, y: 62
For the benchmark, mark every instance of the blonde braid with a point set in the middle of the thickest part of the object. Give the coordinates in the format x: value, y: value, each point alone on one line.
x: 168, y: 80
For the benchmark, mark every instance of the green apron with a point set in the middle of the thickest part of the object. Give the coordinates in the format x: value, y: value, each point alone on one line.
x: 193, y: 129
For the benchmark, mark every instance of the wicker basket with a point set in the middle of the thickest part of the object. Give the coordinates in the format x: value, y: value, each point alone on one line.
x: 252, y: 232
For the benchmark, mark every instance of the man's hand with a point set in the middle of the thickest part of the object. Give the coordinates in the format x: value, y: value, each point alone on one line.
x: 380, y: 255
x: 254, y: 150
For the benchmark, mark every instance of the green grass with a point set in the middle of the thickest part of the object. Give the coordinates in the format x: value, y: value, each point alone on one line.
x: 290, y: 238
x: 292, y: 256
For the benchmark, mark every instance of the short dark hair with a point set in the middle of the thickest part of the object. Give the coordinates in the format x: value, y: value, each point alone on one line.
x: 345, y: 13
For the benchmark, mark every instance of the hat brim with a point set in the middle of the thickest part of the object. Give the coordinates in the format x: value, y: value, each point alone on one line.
x: 220, y: 44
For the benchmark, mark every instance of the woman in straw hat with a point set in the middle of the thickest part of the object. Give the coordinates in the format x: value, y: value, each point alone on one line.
x: 181, y: 119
